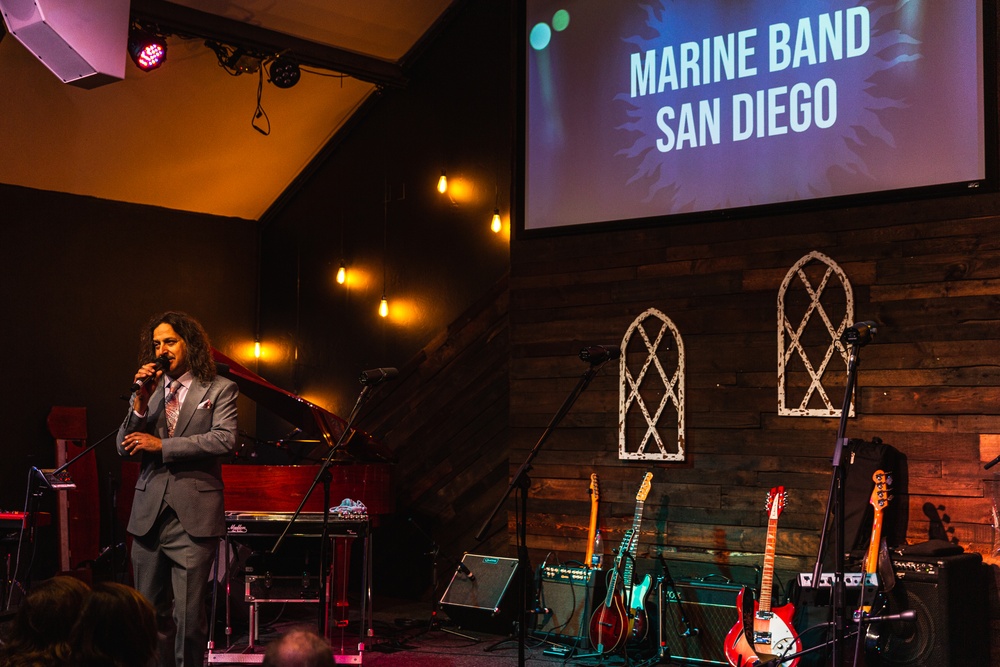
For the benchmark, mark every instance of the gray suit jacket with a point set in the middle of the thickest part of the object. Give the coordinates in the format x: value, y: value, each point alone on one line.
x: 188, y: 472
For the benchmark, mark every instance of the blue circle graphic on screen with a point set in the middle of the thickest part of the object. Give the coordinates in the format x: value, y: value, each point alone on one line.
x: 540, y: 36
x: 560, y: 20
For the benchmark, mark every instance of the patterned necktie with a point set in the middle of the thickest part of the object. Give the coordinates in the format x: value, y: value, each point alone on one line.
x: 172, y: 406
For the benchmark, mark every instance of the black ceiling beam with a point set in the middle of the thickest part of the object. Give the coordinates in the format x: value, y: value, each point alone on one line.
x: 173, y: 18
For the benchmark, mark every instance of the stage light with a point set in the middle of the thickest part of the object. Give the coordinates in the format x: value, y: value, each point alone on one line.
x: 443, y: 182
x: 284, y: 73
x: 146, y: 50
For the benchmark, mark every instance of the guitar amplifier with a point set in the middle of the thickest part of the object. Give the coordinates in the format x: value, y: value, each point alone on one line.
x: 710, y: 610
x: 569, y: 594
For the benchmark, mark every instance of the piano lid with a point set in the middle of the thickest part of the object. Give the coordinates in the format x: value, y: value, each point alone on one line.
x: 300, y: 413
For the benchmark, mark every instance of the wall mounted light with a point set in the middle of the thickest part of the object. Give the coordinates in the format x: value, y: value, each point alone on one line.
x: 443, y: 182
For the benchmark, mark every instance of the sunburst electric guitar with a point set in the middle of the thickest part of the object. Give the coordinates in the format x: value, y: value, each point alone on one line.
x: 772, y: 635
x: 613, y: 621
x: 595, y: 496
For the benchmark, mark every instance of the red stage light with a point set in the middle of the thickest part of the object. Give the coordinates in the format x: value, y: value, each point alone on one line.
x: 147, y: 51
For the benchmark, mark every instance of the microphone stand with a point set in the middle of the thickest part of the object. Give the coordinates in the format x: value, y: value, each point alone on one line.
x: 323, y: 475
x: 836, y: 499
x: 521, y: 482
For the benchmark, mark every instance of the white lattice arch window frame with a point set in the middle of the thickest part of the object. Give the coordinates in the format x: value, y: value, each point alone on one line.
x: 786, y: 349
x: 630, y: 398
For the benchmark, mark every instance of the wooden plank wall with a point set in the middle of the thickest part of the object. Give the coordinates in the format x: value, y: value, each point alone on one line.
x: 927, y: 271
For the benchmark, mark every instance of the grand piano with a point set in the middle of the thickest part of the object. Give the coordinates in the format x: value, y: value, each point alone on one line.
x: 260, y: 501
x: 360, y: 472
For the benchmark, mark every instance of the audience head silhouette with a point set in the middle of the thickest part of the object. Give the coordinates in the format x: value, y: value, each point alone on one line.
x: 41, y: 629
x: 299, y: 648
x: 116, y: 629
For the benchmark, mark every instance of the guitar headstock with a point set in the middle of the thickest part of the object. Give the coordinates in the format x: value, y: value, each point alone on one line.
x: 776, y: 500
x: 595, y: 494
x: 644, y: 487
x: 880, y: 494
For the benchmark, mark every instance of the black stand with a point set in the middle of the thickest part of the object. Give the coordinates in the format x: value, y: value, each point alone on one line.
x: 521, y: 482
x: 323, y: 475
x: 434, y: 623
x: 39, y: 480
x: 835, y: 505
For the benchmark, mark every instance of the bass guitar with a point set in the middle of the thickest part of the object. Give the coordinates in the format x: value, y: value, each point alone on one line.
x: 771, y: 635
x: 613, y: 622
x: 874, y: 639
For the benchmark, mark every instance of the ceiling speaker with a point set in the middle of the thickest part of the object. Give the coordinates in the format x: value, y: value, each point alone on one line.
x: 83, y: 43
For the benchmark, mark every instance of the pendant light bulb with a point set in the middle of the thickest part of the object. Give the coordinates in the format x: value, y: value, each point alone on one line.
x: 496, y: 224
x: 383, y: 307
x: 256, y: 349
x: 342, y: 274
x: 443, y: 183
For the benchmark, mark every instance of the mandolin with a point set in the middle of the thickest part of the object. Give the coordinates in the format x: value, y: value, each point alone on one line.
x: 771, y: 635
x: 614, y: 621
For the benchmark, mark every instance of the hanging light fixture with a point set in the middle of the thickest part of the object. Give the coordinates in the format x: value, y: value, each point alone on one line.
x: 443, y: 182
x: 256, y: 349
x: 342, y: 274
x: 145, y: 49
x: 284, y: 73
x: 496, y: 224
x: 383, y: 306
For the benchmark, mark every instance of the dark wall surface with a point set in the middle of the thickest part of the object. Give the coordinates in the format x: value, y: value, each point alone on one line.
x: 79, y: 277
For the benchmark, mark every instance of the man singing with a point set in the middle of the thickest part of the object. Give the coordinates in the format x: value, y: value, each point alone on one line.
x: 182, y: 421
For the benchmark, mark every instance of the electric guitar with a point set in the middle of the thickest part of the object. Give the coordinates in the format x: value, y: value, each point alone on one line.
x: 880, y: 498
x: 594, y: 497
x: 612, y: 623
x: 772, y: 635
x: 635, y: 595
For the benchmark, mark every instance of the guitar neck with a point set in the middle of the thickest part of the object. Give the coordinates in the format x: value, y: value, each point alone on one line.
x: 633, y: 546
x: 591, y: 533
x: 871, y: 559
x: 767, y: 575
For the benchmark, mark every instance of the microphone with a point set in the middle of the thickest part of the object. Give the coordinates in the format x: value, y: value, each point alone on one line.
x: 596, y: 354
x: 377, y: 375
x: 162, y: 363
x: 464, y: 569
x: 908, y: 615
x: 860, y: 334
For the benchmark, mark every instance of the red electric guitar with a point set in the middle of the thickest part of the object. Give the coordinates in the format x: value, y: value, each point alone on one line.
x: 772, y: 634
x: 614, y: 621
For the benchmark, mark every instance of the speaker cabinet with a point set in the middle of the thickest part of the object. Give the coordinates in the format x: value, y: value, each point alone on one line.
x: 949, y: 595
x: 82, y: 43
x: 710, y: 610
x: 569, y: 594
x: 485, y: 599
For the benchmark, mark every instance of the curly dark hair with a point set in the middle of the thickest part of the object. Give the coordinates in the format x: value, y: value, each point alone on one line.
x: 199, y: 348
